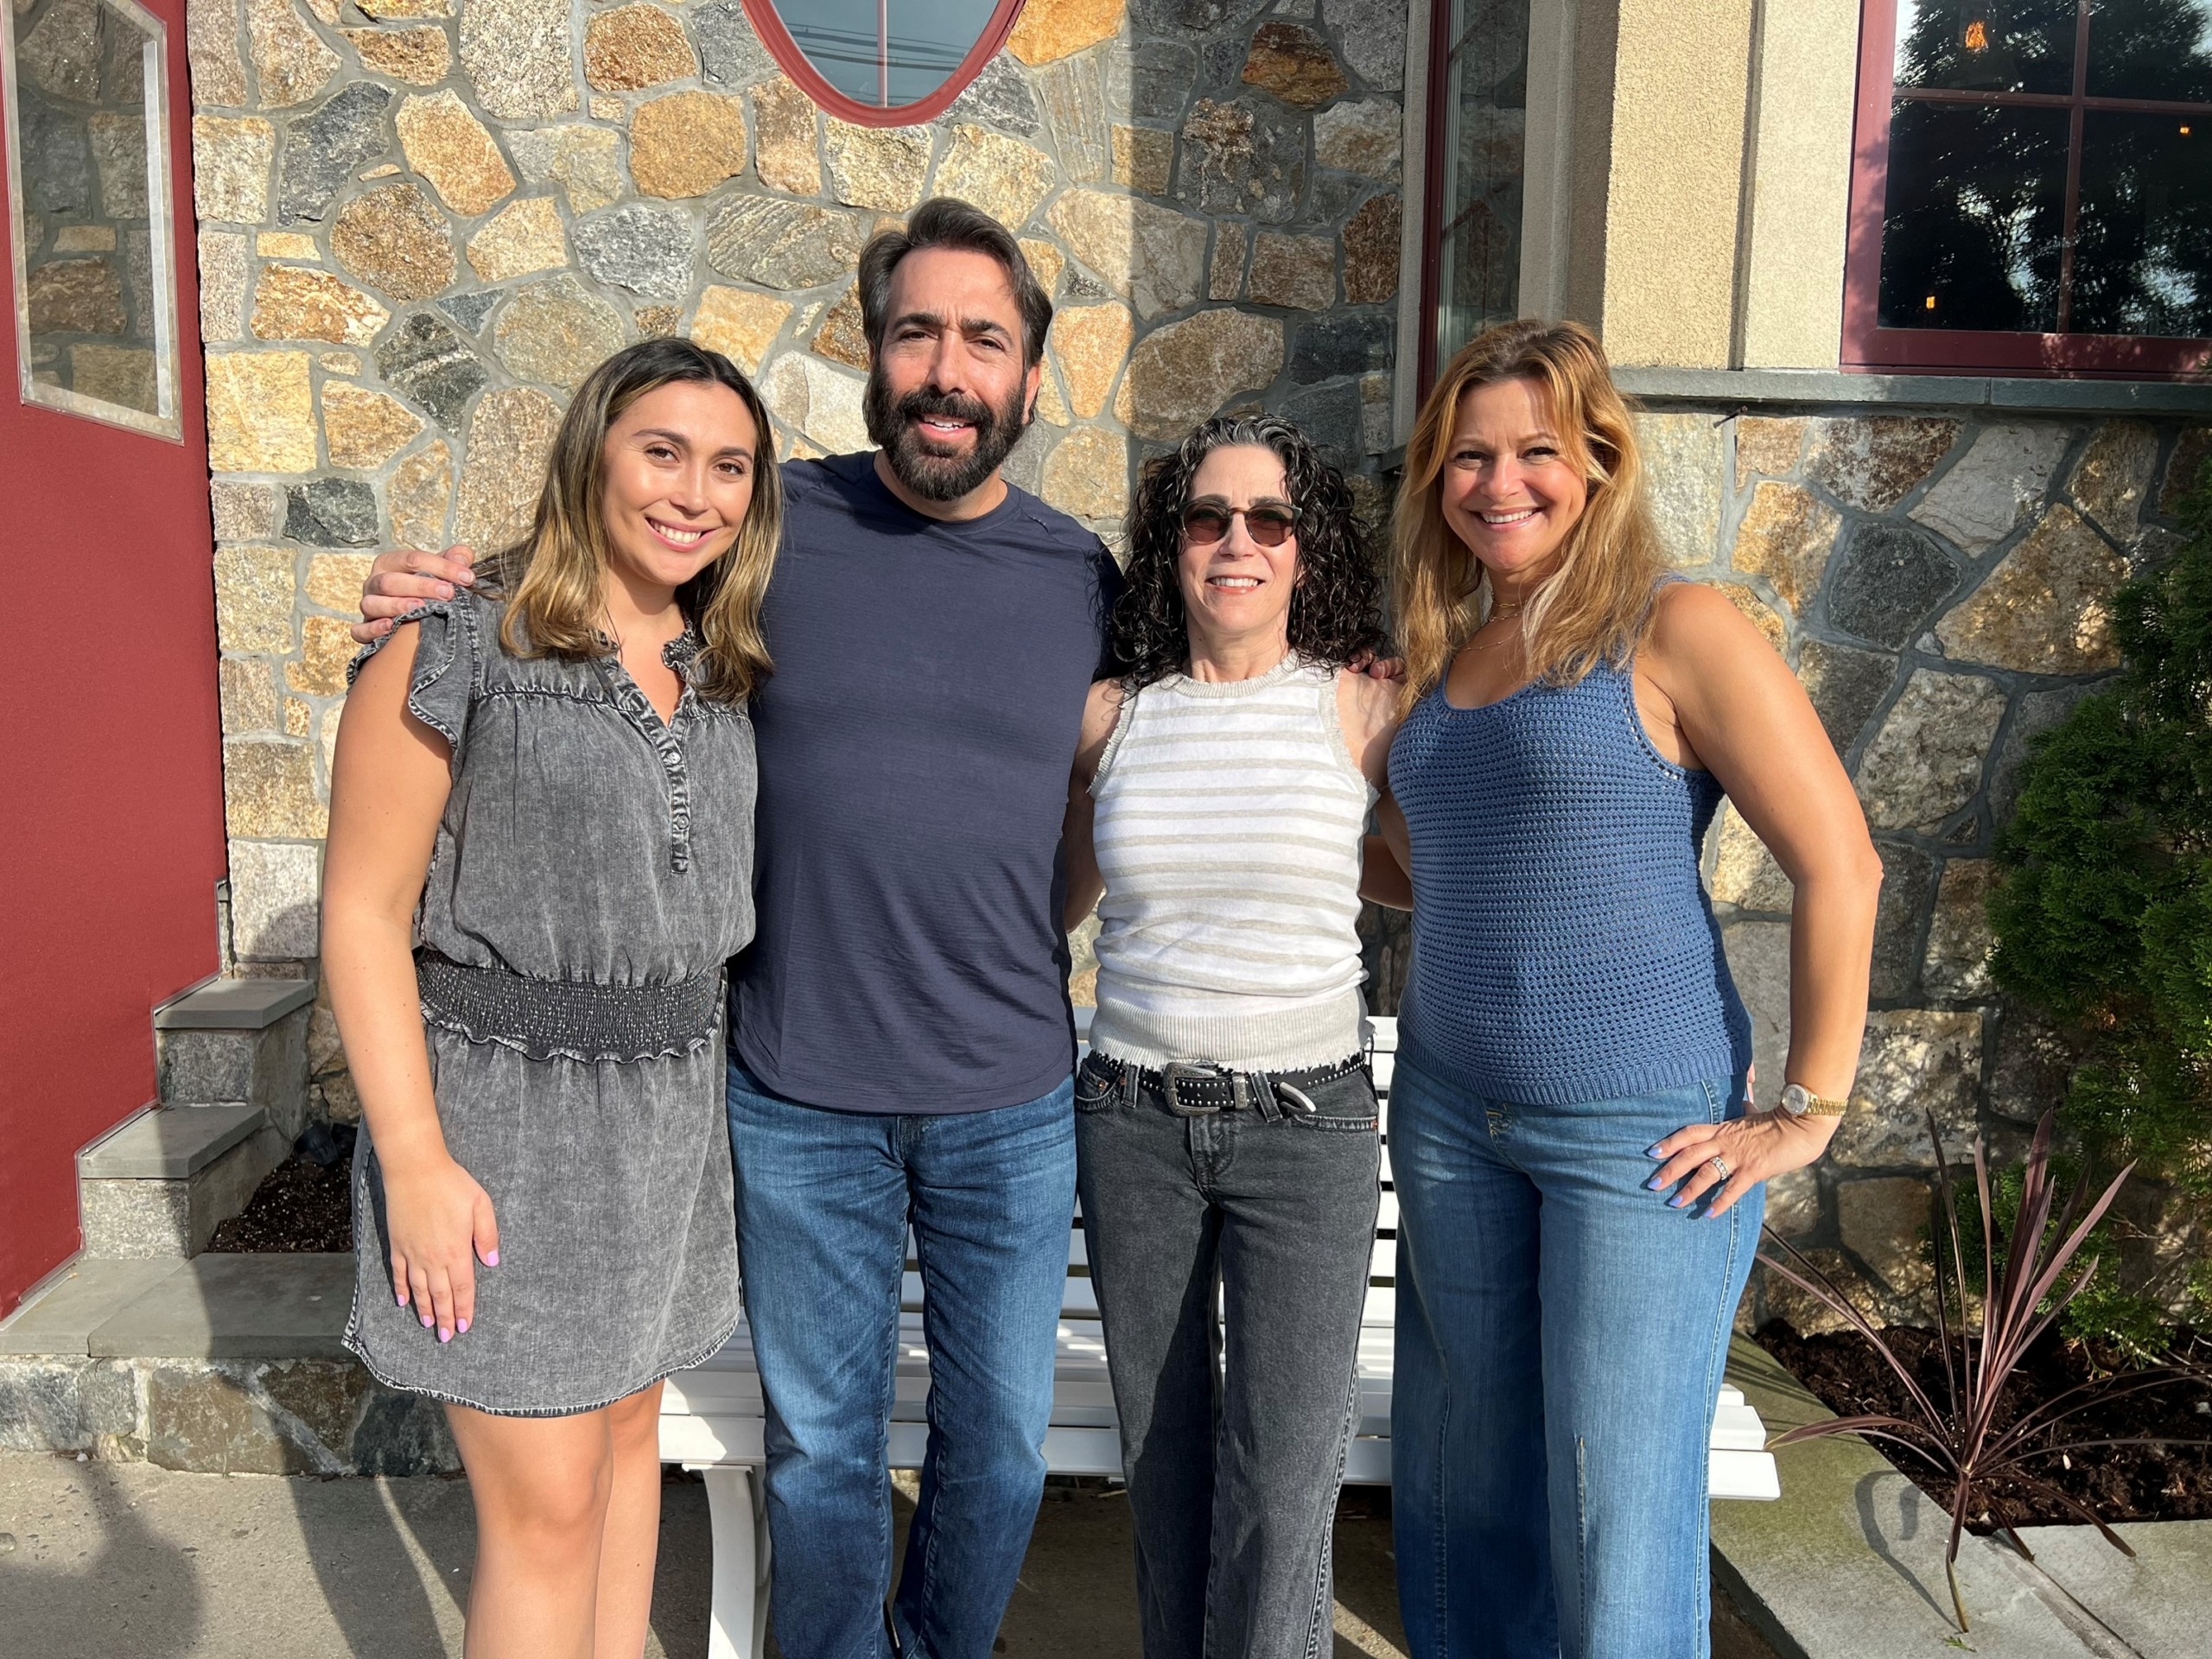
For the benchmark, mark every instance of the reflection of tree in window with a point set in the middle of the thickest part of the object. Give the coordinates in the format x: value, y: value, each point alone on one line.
x: 1485, y: 75
x: 2038, y: 186
x: 82, y: 226
x: 886, y: 52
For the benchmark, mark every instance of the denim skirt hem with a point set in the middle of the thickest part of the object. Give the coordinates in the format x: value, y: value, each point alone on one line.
x: 662, y: 1374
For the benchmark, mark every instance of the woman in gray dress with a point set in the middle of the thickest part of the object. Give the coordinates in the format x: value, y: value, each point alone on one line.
x: 540, y: 857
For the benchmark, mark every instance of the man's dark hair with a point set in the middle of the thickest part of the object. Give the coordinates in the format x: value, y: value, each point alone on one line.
x: 948, y: 222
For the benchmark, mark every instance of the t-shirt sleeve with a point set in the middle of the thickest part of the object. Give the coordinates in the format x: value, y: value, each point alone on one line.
x: 444, y: 677
x: 1106, y: 584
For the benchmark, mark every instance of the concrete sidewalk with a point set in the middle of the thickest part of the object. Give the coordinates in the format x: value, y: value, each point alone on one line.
x: 127, y: 1560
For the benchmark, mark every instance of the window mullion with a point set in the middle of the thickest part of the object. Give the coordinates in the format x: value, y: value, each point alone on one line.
x: 2075, y: 122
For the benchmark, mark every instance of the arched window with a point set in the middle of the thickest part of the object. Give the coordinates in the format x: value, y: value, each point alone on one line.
x: 883, y: 63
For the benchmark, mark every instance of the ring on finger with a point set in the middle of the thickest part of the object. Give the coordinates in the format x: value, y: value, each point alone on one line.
x: 1719, y: 1165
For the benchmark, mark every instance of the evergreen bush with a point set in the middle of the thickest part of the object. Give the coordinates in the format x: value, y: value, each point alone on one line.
x: 2103, y: 911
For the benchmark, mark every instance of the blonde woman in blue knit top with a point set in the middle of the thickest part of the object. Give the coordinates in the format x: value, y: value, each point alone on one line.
x: 1580, y: 1182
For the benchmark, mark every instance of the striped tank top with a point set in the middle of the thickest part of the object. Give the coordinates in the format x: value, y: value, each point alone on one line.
x: 1228, y: 829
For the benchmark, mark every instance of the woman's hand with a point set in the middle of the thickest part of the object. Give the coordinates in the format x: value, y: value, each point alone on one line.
x: 1755, y: 1147
x: 440, y: 1223
x: 403, y: 577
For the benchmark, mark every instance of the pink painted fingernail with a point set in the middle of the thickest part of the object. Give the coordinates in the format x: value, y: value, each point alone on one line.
x: 492, y: 1258
x: 462, y: 1327
x: 426, y: 1321
x: 444, y: 1335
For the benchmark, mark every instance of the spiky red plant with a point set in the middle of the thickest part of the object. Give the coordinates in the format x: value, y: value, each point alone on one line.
x: 2021, y: 1299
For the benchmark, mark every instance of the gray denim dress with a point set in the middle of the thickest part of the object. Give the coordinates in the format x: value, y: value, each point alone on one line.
x: 592, y: 874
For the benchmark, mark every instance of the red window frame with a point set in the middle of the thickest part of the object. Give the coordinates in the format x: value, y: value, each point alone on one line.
x: 1869, y: 347
x: 793, y: 61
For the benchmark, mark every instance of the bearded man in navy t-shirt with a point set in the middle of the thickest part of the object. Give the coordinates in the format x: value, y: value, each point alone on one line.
x: 900, y: 1039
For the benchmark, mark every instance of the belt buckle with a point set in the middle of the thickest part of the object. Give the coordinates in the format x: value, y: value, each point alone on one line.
x: 1176, y: 1071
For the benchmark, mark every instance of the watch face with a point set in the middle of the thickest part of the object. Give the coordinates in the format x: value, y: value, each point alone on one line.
x: 1794, y: 1097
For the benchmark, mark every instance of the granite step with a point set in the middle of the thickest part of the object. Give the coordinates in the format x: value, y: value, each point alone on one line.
x: 221, y: 1363
x: 238, y: 1040
x: 159, y: 1183
x: 231, y: 1065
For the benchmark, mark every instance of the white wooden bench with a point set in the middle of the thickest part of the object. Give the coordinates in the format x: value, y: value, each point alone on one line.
x: 711, y: 1415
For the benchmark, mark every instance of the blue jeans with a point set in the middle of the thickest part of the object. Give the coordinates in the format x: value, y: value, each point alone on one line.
x: 1562, y: 1336
x: 823, y: 1200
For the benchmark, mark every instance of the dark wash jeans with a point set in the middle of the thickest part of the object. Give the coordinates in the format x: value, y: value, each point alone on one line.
x: 1233, y: 1469
x: 823, y: 1200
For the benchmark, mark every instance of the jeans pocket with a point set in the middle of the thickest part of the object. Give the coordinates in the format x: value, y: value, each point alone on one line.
x: 1096, y: 1089
x: 1345, y: 1106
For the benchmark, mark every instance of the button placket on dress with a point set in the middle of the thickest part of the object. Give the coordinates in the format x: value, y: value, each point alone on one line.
x: 638, y: 709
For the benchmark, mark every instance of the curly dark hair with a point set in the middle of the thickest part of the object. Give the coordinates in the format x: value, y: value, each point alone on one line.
x: 1336, y: 612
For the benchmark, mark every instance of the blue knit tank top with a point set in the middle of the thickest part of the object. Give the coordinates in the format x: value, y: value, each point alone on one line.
x: 1564, y: 947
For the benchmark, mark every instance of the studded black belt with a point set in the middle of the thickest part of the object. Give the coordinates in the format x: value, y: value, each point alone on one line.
x: 1193, y: 1090
x: 558, y: 1019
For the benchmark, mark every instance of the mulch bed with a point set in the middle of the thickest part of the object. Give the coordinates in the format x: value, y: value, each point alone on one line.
x: 2117, y: 1483
x: 302, y: 1205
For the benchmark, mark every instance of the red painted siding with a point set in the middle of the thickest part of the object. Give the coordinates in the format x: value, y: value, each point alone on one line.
x: 110, y: 758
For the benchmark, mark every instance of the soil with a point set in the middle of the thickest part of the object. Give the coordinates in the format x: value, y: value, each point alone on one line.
x: 301, y: 1205
x: 2116, y: 1483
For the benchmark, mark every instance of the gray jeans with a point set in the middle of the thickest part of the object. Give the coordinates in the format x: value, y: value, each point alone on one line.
x: 1233, y: 1431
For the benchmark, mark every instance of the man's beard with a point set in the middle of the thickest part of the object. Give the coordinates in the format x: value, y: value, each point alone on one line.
x: 893, y: 422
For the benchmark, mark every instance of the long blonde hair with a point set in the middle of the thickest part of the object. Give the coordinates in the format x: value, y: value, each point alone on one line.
x: 1595, y: 606
x: 551, y: 577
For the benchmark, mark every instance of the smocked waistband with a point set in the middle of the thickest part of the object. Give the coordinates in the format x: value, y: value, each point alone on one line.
x: 556, y: 1018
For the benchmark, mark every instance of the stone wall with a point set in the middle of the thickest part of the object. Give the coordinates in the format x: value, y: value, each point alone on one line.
x: 1939, y: 579
x: 421, y: 221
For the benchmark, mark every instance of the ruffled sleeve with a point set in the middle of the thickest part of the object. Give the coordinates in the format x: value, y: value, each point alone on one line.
x: 446, y: 650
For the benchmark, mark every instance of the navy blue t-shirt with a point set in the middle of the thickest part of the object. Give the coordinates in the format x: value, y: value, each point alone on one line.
x: 915, y: 743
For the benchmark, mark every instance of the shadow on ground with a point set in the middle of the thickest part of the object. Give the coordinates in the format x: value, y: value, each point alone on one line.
x: 131, y: 1562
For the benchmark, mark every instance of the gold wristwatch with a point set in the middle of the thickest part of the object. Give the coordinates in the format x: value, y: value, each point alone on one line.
x: 1799, y: 1102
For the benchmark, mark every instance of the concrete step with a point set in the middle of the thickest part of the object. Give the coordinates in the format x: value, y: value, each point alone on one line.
x: 238, y: 1039
x: 159, y: 1183
x: 222, y: 1364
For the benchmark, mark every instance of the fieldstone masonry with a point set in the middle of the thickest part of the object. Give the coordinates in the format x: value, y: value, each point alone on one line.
x: 422, y: 221
x: 1940, y: 582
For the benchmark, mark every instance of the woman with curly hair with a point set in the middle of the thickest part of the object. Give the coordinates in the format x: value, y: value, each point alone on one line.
x: 1225, y: 1124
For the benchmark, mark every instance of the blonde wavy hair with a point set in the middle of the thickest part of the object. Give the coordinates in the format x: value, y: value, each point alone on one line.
x: 551, y: 578
x: 1595, y: 607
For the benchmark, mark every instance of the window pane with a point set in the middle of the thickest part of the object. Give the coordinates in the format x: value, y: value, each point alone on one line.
x: 2143, y: 263
x: 1484, y: 119
x: 912, y: 44
x: 2152, y: 49
x: 1976, y: 209
x: 1987, y: 46
x: 95, y: 313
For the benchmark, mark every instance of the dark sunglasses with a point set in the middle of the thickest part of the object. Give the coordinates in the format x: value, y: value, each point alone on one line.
x: 1269, y: 527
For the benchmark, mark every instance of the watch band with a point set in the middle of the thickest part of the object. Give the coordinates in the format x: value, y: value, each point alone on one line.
x: 1801, y: 1102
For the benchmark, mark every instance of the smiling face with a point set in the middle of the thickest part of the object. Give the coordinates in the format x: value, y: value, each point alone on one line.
x: 949, y: 395
x: 679, y: 471
x: 1235, y: 588
x: 1509, y: 490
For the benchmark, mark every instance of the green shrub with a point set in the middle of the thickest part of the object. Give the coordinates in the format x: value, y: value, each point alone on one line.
x: 2103, y: 915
